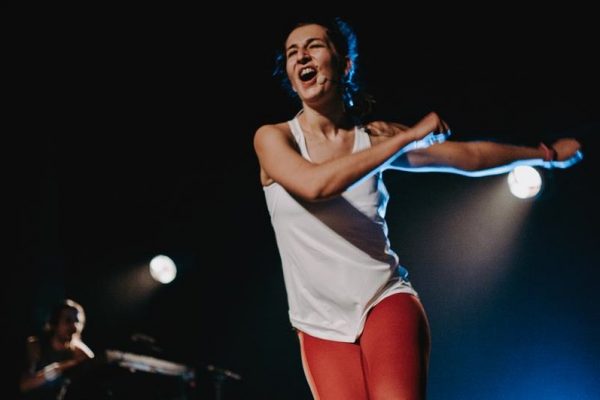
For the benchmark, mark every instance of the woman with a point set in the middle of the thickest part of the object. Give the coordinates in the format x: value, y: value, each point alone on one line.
x: 363, y: 331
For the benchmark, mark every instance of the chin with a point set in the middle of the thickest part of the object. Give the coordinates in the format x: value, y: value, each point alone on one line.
x: 312, y: 93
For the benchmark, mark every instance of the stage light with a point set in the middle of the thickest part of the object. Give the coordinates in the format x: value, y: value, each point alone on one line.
x: 163, y: 269
x: 524, y: 182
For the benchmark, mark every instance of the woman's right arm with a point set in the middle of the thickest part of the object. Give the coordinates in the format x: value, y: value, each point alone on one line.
x: 280, y: 160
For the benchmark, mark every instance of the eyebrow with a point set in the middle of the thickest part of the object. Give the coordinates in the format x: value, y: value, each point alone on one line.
x: 308, y: 41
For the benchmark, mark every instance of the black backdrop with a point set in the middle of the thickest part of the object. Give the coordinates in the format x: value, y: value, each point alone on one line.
x: 134, y: 132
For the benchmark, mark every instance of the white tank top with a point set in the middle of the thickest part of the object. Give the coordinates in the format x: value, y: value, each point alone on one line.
x: 336, y: 256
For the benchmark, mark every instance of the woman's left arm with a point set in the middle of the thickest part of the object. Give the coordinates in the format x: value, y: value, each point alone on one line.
x: 475, y: 158
x: 480, y: 158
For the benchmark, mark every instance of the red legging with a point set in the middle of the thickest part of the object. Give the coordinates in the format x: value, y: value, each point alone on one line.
x: 388, y: 361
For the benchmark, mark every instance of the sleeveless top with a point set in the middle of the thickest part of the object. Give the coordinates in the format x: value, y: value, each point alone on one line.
x: 336, y: 256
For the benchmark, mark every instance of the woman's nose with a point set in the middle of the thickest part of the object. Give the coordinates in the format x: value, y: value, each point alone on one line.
x: 303, y: 55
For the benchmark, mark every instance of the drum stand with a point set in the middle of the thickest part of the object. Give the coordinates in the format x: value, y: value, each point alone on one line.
x: 220, y: 375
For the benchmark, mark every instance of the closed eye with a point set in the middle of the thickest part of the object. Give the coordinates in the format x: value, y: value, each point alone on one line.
x: 311, y: 43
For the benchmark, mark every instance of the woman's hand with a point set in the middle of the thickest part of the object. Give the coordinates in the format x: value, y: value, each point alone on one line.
x: 429, y: 130
x: 566, y: 148
x: 384, y: 128
x: 430, y: 124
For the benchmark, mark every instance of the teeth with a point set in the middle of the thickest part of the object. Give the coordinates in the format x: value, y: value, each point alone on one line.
x: 306, y: 70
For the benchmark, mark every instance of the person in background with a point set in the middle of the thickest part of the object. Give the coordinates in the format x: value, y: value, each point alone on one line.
x: 52, y: 356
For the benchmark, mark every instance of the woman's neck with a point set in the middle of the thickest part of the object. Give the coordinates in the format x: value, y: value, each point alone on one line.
x: 325, y: 122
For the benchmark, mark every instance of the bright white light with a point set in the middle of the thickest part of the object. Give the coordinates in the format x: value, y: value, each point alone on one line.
x: 524, y: 182
x: 163, y: 269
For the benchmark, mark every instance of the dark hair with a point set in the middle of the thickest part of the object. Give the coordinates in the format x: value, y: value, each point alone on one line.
x: 56, y: 312
x: 357, y: 102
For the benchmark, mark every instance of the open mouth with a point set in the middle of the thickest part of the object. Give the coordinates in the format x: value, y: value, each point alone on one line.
x: 307, y: 73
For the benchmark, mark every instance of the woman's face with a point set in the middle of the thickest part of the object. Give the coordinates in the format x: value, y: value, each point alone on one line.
x: 68, y: 325
x: 312, y: 63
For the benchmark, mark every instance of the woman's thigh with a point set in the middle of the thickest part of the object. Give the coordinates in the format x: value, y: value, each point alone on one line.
x: 395, y: 346
x: 333, y: 369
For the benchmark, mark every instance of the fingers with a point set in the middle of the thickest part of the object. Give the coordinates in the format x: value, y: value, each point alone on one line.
x: 446, y: 128
x: 440, y: 125
x: 568, y: 153
x: 381, y: 128
x: 431, y: 123
x: 566, y: 148
x: 423, y: 128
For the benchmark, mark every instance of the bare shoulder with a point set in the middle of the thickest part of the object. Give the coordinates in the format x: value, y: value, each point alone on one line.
x: 270, y: 140
x: 269, y: 130
x: 33, y: 347
x: 33, y: 341
x: 271, y: 135
x: 380, y: 131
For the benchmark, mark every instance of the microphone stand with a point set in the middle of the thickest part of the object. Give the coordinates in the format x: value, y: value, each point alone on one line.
x: 220, y: 375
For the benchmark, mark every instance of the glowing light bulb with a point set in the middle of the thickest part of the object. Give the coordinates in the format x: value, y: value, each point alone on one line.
x: 163, y: 269
x: 524, y: 182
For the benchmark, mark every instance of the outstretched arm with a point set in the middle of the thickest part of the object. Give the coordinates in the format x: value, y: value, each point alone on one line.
x: 475, y: 158
x: 488, y: 158
x: 281, y: 162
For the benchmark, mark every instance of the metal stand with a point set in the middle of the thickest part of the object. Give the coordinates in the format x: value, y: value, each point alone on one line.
x: 220, y: 375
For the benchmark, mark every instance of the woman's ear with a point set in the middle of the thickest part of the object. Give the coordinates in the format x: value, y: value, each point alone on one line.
x: 348, y: 67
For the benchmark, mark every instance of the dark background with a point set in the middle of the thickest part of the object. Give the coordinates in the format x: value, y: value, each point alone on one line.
x: 134, y: 134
